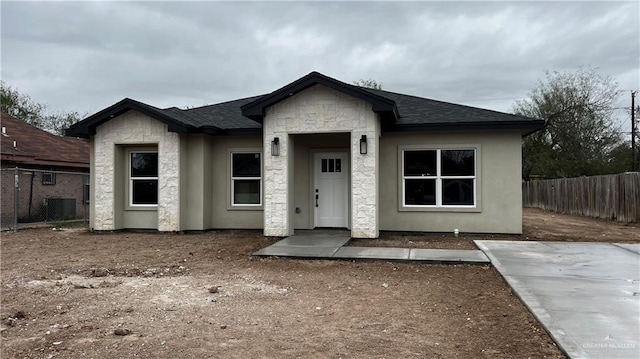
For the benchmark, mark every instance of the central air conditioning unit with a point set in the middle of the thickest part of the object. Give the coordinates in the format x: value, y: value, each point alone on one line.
x: 61, y: 209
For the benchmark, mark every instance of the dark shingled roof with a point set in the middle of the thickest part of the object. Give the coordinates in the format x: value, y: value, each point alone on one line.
x: 418, y: 110
x: 410, y: 113
x: 226, y: 115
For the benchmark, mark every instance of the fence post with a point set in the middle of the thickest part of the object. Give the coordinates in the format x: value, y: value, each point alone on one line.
x: 15, y: 199
x: 85, y: 197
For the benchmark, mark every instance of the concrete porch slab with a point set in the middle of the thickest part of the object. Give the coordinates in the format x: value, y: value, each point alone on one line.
x: 297, y: 251
x: 308, y: 244
x: 330, y: 244
x: 448, y: 255
x: 372, y: 253
x: 315, y: 240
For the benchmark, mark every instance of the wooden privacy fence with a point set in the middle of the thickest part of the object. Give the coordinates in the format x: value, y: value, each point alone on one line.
x: 613, y: 197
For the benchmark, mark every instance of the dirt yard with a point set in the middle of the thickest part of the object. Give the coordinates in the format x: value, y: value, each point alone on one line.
x: 538, y: 225
x: 65, y: 294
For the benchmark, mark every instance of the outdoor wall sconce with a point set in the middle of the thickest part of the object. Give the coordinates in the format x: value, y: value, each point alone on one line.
x: 275, y: 147
x: 363, y: 145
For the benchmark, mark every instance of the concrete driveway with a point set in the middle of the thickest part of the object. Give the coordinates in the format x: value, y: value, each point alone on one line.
x: 586, y: 295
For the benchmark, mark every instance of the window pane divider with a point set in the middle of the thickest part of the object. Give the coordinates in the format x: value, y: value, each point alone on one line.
x: 245, y: 178
x: 439, y: 178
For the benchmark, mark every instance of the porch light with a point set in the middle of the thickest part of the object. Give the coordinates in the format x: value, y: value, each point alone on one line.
x: 363, y: 145
x: 275, y: 147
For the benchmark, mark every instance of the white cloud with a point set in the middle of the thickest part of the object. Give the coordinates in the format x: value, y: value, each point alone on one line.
x: 366, y: 58
x: 292, y: 38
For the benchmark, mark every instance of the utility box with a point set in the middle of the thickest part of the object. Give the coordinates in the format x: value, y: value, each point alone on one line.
x: 61, y: 209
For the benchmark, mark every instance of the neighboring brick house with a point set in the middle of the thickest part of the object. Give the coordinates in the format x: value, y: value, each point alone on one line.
x: 29, y: 148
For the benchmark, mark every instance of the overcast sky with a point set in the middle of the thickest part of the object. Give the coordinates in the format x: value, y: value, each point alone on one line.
x: 84, y: 56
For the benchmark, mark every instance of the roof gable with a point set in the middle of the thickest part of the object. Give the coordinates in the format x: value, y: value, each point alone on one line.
x: 175, y: 120
x: 255, y: 110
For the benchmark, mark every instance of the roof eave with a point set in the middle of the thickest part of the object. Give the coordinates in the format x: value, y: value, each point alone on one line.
x: 526, y: 127
x: 87, y: 127
x: 44, y: 162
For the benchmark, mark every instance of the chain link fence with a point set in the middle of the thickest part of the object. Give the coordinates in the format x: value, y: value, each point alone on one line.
x: 31, y: 197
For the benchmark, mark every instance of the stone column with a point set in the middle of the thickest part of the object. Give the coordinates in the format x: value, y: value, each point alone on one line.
x: 169, y: 182
x: 102, y: 186
x: 364, y: 183
x: 276, y: 183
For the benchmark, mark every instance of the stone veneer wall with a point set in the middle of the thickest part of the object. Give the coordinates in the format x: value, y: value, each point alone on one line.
x: 134, y: 128
x: 321, y: 110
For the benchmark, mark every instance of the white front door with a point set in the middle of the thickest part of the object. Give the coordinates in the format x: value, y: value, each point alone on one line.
x: 330, y: 195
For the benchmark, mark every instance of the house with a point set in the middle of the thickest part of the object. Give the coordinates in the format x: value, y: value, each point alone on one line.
x: 317, y: 152
x: 50, y: 167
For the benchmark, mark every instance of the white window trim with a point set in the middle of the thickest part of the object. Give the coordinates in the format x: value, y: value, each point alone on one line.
x: 131, y: 179
x: 438, y: 177
x: 233, y: 179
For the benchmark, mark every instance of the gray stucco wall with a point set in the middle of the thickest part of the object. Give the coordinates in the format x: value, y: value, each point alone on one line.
x: 205, y: 187
x: 195, y: 187
x: 499, y: 188
x: 222, y: 214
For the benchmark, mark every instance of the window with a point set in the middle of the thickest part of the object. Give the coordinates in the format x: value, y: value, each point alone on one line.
x: 86, y: 193
x: 143, y: 186
x: 331, y: 165
x: 48, y: 178
x: 246, y: 179
x: 439, y: 178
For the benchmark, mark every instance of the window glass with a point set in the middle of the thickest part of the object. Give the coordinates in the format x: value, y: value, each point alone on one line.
x: 145, y: 191
x: 144, y: 178
x: 246, y: 191
x: 246, y: 181
x: 48, y: 178
x: 338, y: 165
x: 420, y: 163
x: 419, y: 192
x: 457, y: 192
x: 246, y: 165
x: 439, y: 177
x: 457, y: 163
x: 324, y: 165
x: 331, y: 164
x: 144, y: 164
x: 87, y: 187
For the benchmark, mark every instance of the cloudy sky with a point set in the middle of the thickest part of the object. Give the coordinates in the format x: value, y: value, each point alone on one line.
x: 84, y: 56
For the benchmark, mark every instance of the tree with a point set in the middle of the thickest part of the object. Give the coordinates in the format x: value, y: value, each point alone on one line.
x: 372, y: 84
x: 22, y: 107
x: 620, y: 158
x: 579, y: 135
x: 58, y: 123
